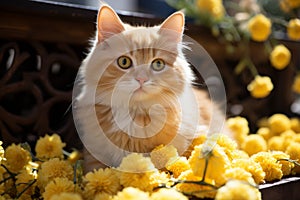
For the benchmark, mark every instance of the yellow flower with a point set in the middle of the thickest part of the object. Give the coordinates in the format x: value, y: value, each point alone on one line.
x: 260, y: 87
x: 24, y: 178
x: 239, y: 127
x: 238, y: 154
x: 287, y: 166
x: 66, y: 196
x: 162, y: 154
x: 167, y: 194
x: 264, y: 132
x: 293, y: 29
x: 16, y: 158
x: 279, y: 123
x: 138, y: 171
x: 177, y: 165
x: 74, y: 157
x: 252, y: 167
x: 287, y: 137
x: 295, y: 122
x: 275, y: 143
x: 296, y: 84
x: 201, y: 191
x: 259, y: 27
x: 239, y: 173
x: 57, y: 186
x: 294, y: 152
x: 218, y: 162
x: 101, y: 181
x: 49, y: 147
x: 213, y: 8
x: 254, y: 144
x: 131, y: 193
x: 269, y: 164
x: 280, y: 57
x: 103, y: 196
x: 288, y: 5
x: 238, y: 190
x: 54, y: 168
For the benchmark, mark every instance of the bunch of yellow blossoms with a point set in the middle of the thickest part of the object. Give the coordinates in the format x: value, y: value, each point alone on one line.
x: 250, y: 21
x: 215, y: 167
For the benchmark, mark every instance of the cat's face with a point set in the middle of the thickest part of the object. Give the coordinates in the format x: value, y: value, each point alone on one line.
x: 141, y: 65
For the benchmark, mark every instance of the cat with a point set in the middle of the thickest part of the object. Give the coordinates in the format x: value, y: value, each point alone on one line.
x: 136, y: 91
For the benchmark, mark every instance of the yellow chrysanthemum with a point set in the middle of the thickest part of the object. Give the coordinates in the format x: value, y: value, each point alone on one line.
x: 280, y: 57
x: 103, y: 196
x: 294, y: 152
x: 57, y: 186
x: 49, y: 147
x: 238, y: 190
x: 213, y: 8
x: 269, y: 164
x: 295, y: 122
x: 260, y: 87
x: 239, y: 173
x: 287, y: 166
x: 138, y: 171
x: 23, y: 180
x: 239, y: 127
x: 201, y: 191
x: 252, y: 167
x: 293, y: 29
x: 264, y: 132
x: 101, y: 181
x: 200, y: 139
x: 66, y: 196
x: 177, y: 166
x: 275, y: 143
x: 287, y: 137
x: 237, y: 154
x: 131, y: 193
x: 296, y: 84
x: 54, y: 168
x: 167, y: 194
x: 16, y: 158
x: 217, y: 159
x: 259, y: 27
x: 228, y: 144
x: 253, y: 144
x: 162, y: 154
x: 279, y: 123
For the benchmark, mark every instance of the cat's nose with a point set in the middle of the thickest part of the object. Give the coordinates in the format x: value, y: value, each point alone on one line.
x: 141, y: 80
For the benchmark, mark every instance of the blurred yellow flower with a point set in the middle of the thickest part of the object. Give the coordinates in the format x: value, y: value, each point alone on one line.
x: 239, y: 127
x: 235, y: 189
x: 213, y: 8
x: 269, y: 164
x: 201, y: 191
x: 57, y: 186
x: 275, y: 143
x: 252, y: 167
x: 259, y: 27
x: 49, y: 147
x: 295, y: 122
x: 293, y: 29
x: 217, y: 160
x: 260, y: 87
x: 54, y: 168
x: 239, y: 173
x: 136, y: 163
x: 16, y: 158
x: 279, y: 123
x: 296, y: 84
x: 131, y: 193
x: 294, y: 152
x: 23, y: 180
x: 287, y: 166
x: 101, y: 181
x: 265, y: 132
x: 238, y: 154
x: 167, y: 194
x: 103, y: 196
x: 280, y: 57
x: 253, y: 144
x: 162, y: 154
x: 66, y: 196
x: 177, y: 166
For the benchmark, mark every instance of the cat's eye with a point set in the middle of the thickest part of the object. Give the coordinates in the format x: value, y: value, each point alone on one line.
x: 158, y: 64
x: 124, y: 62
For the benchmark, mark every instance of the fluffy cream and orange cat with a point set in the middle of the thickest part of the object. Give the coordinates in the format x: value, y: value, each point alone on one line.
x: 136, y: 91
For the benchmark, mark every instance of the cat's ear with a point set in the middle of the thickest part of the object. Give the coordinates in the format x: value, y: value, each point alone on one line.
x: 173, y: 26
x: 108, y: 23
